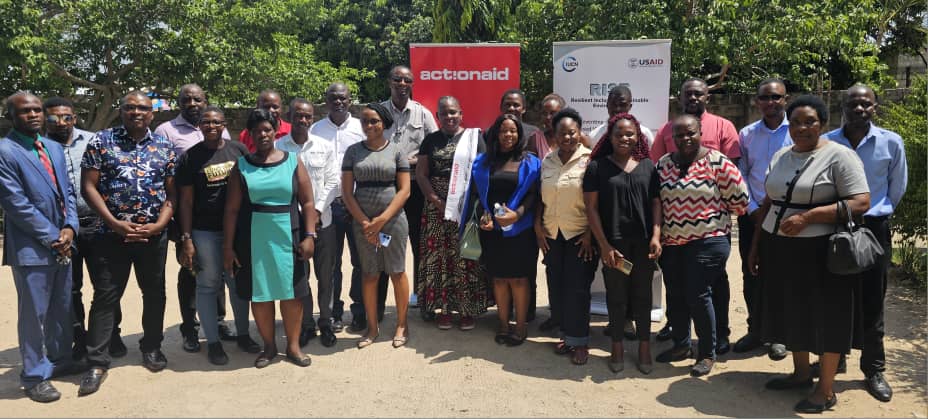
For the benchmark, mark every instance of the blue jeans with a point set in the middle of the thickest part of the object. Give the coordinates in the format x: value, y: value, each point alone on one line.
x: 691, y: 270
x: 210, y: 280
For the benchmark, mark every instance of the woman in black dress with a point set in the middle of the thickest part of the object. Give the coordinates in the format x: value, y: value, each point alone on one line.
x: 505, y: 186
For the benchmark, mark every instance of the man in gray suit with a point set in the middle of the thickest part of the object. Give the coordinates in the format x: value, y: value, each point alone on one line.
x: 40, y: 219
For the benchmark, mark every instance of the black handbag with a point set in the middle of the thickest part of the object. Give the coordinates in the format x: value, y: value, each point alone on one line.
x: 853, y: 250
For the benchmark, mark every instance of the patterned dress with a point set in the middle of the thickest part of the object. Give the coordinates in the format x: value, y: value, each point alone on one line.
x: 446, y: 281
x: 268, y: 232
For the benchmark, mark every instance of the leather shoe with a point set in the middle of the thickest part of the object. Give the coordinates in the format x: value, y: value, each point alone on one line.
x: 747, y: 343
x: 788, y: 382
x: 225, y: 333
x: 215, y: 354
x: 155, y: 360
x: 327, y: 338
x: 777, y: 352
x: 306, y: 335
x: 191, y: 342
x: 117, y: 347
x: 664, y: 334
x: 703, y: 367
x: 675, y: 354
x: 878, y: 387
x: 91, y: 381
x: 722, y: 346
x: 807, y: 406
x: 44, y: 392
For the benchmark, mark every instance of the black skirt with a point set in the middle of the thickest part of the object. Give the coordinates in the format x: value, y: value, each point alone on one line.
x: 803, y: 305
x: 509, y: 257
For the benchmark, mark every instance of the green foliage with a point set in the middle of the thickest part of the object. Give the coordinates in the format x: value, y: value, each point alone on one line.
x: 909, y: 119
x: 911, y: 263
x: 470, y: 20
x: 232, y: 48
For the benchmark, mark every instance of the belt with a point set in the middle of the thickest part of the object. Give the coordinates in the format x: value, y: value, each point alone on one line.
x: 793, y: 205
x: 270, y: 208
x: 376, y: 184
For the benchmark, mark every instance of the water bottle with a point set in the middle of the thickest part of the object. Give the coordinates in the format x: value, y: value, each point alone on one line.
x: 499, y: 212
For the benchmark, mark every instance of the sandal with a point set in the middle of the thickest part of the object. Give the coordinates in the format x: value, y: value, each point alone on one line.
x: 399, y: 341
x: 580, y: 355
x: 300, y: 361
x: 367, y: 341
x: 513, y: 339
x: 562, y: 348
x: 264, y: 359
x: 501, y: 336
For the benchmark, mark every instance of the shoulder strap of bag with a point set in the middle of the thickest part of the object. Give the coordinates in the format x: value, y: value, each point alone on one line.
x: 789, y: 193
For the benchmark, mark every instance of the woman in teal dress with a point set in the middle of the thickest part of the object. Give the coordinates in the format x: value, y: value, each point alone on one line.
x: 269, y: 233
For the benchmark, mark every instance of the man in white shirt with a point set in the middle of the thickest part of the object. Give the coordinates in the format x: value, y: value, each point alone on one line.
x: 318, y: 156
x: 341, y: 130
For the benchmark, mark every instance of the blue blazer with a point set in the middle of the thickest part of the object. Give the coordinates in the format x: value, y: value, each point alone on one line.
x: 529, y: 172
x: 32, y: 203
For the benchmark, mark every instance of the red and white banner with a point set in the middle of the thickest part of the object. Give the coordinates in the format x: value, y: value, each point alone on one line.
x: 476, y: 74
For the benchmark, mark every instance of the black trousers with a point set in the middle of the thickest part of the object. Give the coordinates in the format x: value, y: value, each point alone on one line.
x: 721, y: 297
x: 872, y: 299
x: 630, y: 293
x: 569, y: 279
x: 751, y: 290
x: 187, y: 299
x: 109, y: 264
x: 413, y: 209
x: 83, y: 247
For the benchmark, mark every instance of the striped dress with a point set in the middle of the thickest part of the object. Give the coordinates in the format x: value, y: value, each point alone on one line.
x: 700, y: 203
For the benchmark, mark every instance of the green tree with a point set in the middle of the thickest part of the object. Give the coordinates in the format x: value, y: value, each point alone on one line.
x: 105, y: 48
x: 470, y: 20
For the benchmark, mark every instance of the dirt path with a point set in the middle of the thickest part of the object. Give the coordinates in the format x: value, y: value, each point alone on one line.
x: 454, y: 373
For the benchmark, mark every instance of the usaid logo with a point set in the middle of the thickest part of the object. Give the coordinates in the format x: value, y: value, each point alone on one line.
x: 570, y: 64
x: 645, y: 62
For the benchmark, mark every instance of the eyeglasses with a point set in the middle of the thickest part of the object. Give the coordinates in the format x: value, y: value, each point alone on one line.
x: 768, y: 98
x: 397, y: 79
x: 141, y: 108
x: 54, y: 119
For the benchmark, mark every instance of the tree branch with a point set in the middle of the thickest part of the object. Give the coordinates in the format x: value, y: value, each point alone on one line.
x: 74, y: 79
x: 721, y: 75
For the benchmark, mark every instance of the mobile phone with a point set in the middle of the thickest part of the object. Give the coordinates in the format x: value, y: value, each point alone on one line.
x: 385, y: 239
x: 625, y: 266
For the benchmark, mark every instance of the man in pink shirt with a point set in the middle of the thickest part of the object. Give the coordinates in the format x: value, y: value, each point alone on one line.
x: 719, y: 134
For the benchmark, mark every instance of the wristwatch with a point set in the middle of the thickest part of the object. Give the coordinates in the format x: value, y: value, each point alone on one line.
x: 184, y: 237
x: 310, y: 234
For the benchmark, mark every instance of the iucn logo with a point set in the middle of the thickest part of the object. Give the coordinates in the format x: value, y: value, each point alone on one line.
x: 570, y: 64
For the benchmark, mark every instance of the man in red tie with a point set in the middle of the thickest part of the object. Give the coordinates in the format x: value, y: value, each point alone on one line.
x: 40, y: 223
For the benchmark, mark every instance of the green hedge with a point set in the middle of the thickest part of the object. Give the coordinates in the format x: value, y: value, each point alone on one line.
x: 909, y: 118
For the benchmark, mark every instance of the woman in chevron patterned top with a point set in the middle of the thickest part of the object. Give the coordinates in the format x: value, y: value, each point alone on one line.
x: 701, y: 190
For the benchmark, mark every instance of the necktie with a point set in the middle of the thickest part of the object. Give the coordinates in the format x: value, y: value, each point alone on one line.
x: 43, y: 157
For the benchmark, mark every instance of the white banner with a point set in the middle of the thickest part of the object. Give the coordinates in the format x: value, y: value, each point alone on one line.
x: 584, y: 72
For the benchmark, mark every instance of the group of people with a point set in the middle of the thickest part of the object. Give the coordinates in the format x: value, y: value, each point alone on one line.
x: 253, y: 215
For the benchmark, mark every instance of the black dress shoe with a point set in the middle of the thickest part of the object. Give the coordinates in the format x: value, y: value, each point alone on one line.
x: 788, y: 382
x: 816, y: 368
x: 665, y: 333
x: 327, y: 337
x: 747, y: 343
x: 91, y: 381
x: 43, y: 392
x: 247, y: 344
x: 225, y: 332
x: 722, y: 346
x: 777, y: 352
x: 191, y: 342
x: 215, y: 354
x: 675, y: 354
x: 155, y: 360
x: 117, y: 347
x: 357, y: 325
x: 878, y: 387
x: 807, y: 406
x: 307, y: 335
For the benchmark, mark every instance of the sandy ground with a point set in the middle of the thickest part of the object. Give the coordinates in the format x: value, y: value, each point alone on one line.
x: 455, y: 373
